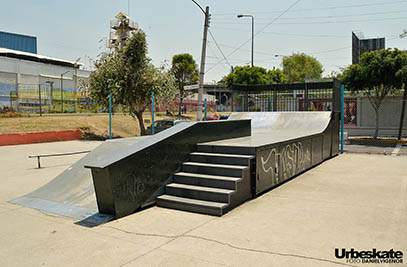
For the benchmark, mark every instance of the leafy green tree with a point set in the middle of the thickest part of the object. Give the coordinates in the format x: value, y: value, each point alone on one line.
x: 276, y: 76
x: 186, y: 72
x: 130, y: 77
x: 379, y: 74
x: 300, y: 67
x: 253, y: 75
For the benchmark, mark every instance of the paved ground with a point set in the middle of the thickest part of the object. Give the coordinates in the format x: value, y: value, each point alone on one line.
x: 385, y: 149
x: 353, y: 200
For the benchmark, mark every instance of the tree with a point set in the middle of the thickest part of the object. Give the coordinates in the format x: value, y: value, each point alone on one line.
x: 186, y: 72
x: 130, y: 77
x: 253, y: 75
x: 300, y: 67
x: 276, y: 76
x: 379, y: 74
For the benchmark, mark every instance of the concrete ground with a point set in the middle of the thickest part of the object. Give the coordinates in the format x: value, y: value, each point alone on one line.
x: 385, y: 149
x: 352, y: 201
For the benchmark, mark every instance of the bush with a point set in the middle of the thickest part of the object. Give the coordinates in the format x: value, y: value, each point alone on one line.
x: 9, y: 112
x: 6, y: 109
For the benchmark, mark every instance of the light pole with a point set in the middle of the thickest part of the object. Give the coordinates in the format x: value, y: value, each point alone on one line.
x: 249, y: 16
x: 62, y: 89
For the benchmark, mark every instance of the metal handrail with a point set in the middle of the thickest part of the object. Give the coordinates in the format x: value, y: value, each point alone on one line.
x: 55, y: 155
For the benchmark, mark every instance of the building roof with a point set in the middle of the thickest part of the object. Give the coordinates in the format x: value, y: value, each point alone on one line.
x: 5, y: 52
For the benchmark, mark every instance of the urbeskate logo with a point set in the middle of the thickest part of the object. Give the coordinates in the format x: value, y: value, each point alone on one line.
x: 369, y: 256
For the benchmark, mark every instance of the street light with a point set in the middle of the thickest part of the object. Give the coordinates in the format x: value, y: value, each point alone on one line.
x: 249, y: 16
x: 62, y: 88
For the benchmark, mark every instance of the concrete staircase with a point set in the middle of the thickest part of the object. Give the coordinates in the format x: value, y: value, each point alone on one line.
x: 213, y: 181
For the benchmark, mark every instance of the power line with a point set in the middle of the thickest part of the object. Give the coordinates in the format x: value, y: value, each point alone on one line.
x: 294, y: 34
x: 321, y: 17
x: 322, y: 8
x: 220, y: 50
x: 320, y: 22
x: 242, y: 49
x: 234, y: 51
x: 215, y: 56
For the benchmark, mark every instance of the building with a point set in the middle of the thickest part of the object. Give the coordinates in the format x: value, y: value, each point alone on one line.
x: 19, y: 42
x: 360, y: 46
x: 28, y: 79
x: 223, y: 96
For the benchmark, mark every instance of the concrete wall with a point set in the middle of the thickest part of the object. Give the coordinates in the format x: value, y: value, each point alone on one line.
x: 389, y: 118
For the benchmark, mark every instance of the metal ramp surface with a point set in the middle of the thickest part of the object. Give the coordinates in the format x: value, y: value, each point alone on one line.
x: 72, y: 193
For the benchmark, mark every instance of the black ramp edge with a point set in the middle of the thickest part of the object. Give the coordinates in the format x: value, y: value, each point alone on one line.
x: 125, y: 179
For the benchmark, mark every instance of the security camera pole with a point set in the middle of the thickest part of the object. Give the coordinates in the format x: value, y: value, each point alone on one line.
x: 203, y: 56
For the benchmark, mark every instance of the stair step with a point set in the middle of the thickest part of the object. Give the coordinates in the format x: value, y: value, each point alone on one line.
x: 219, y: 158
x: 224, y: 149
x: 189, y: 204
x: 225, y: 182
x: 198, y: 192
x: 215, y: 169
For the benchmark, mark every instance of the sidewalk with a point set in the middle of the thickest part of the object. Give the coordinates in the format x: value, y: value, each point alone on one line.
x: 351, y: 201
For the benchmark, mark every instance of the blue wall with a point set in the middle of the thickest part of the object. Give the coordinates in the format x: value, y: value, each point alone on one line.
x: 18, y: 42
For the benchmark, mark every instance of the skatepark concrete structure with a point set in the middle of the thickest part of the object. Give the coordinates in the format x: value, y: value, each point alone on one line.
x: 204, y: 167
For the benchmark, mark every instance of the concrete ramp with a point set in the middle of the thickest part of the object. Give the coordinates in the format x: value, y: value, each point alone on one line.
x: 276, y: 127
x: 72, y: 193
x: 306, y: 122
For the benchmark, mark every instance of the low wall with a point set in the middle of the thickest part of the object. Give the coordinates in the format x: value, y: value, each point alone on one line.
x: 39, y: 137
x: 360, y: 118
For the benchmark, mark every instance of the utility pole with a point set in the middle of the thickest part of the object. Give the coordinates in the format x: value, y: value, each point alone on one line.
x: 203, y: 56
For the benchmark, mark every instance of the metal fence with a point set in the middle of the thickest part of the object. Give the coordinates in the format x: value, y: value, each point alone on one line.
x: 43, y: 98
x: 359, y: 116
x: 315, y: 96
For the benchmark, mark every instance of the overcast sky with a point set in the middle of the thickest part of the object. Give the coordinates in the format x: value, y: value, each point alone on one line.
x: 74, y: 29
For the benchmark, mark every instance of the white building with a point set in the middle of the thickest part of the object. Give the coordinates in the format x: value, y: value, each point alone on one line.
x: 22, y: 74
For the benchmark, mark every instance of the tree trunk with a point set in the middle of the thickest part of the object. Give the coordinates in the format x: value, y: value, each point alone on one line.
x: 376, y: 133
x: 139, y: 115
x: 180, y: 106
x: 403, y: 110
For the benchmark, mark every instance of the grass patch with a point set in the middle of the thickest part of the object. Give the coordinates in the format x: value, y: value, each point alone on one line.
x: 93, y: 126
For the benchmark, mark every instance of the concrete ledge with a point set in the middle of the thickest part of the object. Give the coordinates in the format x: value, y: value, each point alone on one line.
x: 39, y: 137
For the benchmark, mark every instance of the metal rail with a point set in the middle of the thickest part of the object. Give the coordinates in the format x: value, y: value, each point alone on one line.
x: 55, y: 155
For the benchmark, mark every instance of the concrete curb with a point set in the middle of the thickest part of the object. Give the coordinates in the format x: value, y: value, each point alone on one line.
x: 39, y: 137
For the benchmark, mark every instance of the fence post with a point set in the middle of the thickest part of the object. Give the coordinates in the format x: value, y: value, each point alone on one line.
x: 39, y: 96
x: 274, y: 99
x: 268, y: 104
x: 152, y: 113
x: 306, y: 96
x: 342, y: 113
x: 403, y: 110
x: 110, y: 116
x: 246, y: 101
x: 205, y: 110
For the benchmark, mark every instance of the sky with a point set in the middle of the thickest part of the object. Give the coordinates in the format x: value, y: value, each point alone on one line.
x: 321, y: 28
